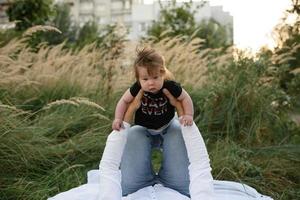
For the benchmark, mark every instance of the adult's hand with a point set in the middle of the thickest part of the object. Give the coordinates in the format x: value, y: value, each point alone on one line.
x: 174, y: 102
x: 133, y: 106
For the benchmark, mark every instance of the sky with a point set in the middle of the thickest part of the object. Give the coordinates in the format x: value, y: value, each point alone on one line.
x: 253, y: 20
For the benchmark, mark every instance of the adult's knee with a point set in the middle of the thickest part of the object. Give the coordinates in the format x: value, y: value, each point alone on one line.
x: 137, y: 142
x: 137, y: 134
x: 174, y: 143
x: 174, y: 131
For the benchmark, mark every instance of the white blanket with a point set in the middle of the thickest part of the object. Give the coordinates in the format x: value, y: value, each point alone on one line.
x: 104, y: 184
x: 223, y: 190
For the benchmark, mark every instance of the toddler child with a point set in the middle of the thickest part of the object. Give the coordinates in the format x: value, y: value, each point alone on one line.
x: 152, y: 77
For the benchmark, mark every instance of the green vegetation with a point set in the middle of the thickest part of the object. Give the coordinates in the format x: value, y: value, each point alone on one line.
x: 56, y: 114
x: 28, y: 13
x: 180, y: 21
x: 56, y: 109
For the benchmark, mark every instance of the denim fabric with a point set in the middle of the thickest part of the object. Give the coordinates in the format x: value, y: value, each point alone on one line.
x: 136, y: 166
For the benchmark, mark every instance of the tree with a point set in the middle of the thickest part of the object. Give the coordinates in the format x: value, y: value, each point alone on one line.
x: 28, y: 13
x: 175, y: 20
x: 214, y: 33
x: 62, y: 21
x: 88, y: 34
x: 286, y: 55
x: 180, y: 20
x: 105, y: 37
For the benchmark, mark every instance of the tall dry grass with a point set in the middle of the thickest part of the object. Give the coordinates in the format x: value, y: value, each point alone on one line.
x: 56, y: 107
x: 89, y: 69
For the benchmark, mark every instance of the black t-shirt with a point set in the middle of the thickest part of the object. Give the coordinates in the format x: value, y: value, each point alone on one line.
x: 155, y: 110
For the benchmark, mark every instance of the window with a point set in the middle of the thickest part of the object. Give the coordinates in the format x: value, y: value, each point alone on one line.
x: 142, y: 27
x: 127, y: 4
x: 86, y: 6
x: 116, y: 5
x: 100, y: 8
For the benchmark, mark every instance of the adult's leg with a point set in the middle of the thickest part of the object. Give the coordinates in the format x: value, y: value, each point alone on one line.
x: 174, y: 170
x: 136, y: 167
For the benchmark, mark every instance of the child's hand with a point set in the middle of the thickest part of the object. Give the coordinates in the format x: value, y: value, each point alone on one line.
x: 186, y: 120
x: 117, y: 124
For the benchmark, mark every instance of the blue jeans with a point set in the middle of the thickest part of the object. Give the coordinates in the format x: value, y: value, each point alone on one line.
x: 136, y: 165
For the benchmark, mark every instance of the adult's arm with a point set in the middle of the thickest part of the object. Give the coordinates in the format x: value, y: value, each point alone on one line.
x: 201, y: 180
x: 173, y: 101
x: 110, y: 175
x: 133, y: 106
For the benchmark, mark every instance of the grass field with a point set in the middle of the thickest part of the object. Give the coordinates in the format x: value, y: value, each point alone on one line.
x: 56, y: 109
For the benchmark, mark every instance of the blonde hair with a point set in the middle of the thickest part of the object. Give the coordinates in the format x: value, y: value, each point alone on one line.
x: 152, y: 61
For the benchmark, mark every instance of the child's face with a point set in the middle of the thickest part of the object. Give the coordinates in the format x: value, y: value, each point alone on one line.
x: 150, y: 83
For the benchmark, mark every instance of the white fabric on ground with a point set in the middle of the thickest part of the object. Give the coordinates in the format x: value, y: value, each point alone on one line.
x: 223, y: 190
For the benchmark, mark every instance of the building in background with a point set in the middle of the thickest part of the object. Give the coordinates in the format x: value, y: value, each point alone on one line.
x: 4, y: 22
x: 137, y: 16
x: 144, y: 14
x: 101, y: 11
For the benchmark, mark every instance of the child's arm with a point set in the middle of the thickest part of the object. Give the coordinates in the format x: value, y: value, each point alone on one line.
x: 187, y: 104
x: 121, y: 108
